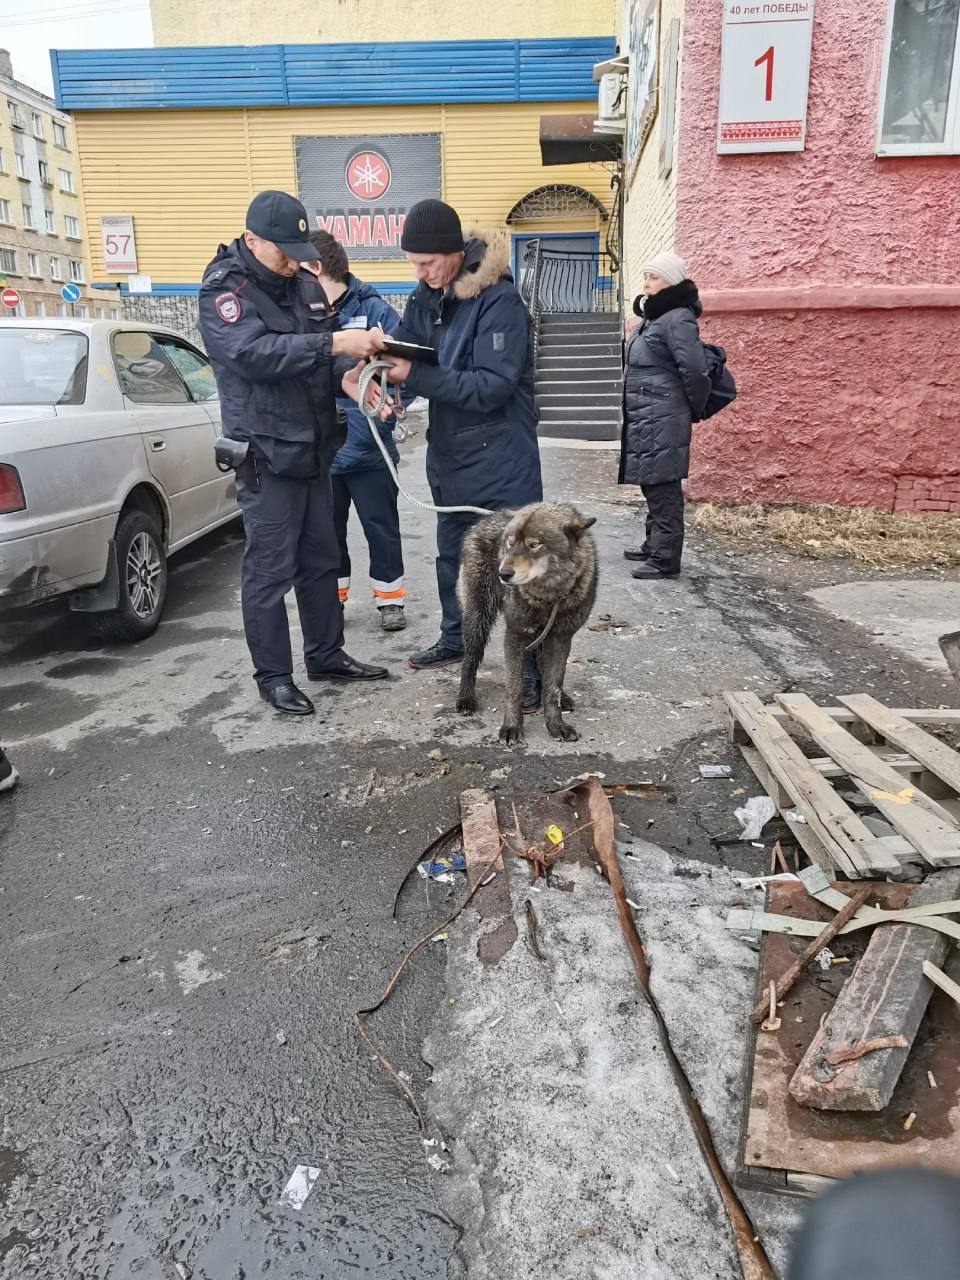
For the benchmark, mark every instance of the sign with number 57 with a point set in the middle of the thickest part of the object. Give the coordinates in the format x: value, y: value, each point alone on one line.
x: 764, y: 75
x: 119, y: 246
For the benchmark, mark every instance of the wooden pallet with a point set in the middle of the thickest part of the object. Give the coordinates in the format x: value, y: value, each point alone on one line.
x: 909, y: 776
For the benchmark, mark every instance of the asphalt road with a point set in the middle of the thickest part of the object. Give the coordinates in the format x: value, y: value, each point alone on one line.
x: 195, y: 894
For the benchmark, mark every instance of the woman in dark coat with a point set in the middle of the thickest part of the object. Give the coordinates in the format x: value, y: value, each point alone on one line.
x: 665, y: 390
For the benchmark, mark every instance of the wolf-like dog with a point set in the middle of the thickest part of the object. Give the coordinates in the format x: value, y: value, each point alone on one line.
x: 539, y: 565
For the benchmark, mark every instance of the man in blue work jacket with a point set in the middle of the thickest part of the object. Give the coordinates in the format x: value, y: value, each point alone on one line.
x: 482, y: 439
x: 359, y: 473
x: 277, y: 369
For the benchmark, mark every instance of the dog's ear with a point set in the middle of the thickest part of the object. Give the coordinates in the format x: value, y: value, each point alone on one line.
x: 578, y: 524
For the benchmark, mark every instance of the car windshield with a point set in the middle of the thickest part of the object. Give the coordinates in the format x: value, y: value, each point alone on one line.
x: 42, y: 366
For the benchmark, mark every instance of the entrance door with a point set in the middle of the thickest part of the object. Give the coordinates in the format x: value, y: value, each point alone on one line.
x: 569, y: 270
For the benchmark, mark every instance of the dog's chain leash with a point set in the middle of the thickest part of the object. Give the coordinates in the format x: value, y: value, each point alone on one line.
x: 546, y: 630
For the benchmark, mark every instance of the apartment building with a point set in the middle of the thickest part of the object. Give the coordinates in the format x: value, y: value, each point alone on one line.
x: 42, y: 236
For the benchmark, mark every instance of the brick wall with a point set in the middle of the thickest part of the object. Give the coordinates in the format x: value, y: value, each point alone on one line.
x: 927, y: 493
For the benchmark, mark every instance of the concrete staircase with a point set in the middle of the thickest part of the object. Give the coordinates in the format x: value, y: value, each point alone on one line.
x: 579, y: 375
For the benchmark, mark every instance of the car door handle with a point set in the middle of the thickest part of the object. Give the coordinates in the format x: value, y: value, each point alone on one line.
x: 157, y: 446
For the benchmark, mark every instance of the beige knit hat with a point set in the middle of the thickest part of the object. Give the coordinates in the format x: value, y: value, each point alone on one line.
x: 668, y: 266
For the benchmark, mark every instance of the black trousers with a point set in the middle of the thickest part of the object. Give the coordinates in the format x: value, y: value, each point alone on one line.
x: 451, y: 531
x: 664, y: 540
x: 290, y: 541
x: 374, y: 495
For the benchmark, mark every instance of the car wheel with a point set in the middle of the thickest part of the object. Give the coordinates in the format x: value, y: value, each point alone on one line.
x: 143, y: 581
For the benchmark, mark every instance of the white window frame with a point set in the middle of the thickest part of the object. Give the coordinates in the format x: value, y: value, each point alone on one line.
x: 6, y: 214
x: 951, y: 139
x: 21, y: 165
x: 62, y: 309
x: 56, y: 270
x: 49, y: 220
x: 69, y: 189
x: 8, y: 270
x: 59, y: 134
x: 67, y: 219
x: 36, y: 124
x: 3, y: 162
x: 33, y: 266
x: 16, y: 118
x: 76, y: 271
x: 28, y: 222
x: 39, y: 307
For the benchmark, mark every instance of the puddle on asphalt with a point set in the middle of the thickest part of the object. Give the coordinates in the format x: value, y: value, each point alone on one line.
x: 32, y: 708
x: 83, y: 667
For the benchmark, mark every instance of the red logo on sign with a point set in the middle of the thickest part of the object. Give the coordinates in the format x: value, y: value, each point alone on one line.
x: 368, y: 175
x: 10, y: 298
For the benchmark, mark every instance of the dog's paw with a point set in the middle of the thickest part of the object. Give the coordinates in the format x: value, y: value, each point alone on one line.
x: 566, y: 702
x: 565, y: 732
x: 511, y: 734
x: 467, y: 704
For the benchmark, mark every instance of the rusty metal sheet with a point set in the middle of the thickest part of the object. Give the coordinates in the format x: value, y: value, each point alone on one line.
x: 782, y: 1136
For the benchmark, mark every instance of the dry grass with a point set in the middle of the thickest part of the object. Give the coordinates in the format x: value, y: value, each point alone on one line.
x: 827, y: 532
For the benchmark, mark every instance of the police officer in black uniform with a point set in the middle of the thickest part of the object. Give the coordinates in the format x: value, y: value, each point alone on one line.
x: 278, y: 370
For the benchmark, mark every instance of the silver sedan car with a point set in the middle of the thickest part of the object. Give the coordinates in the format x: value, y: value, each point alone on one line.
x: 106, y: 466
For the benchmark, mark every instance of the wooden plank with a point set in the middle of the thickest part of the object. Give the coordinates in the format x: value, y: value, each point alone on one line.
x: 902, y: 763
x: 482, y: 846
x: 919, y: 715
x: 483, y: 854
x: 849, y: 843
x: 884, y: 999
x: 940, y: 979
x: 930, y: 829
x: 922, y: 746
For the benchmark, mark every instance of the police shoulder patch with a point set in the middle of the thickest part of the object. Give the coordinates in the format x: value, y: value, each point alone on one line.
x: 228, y: 307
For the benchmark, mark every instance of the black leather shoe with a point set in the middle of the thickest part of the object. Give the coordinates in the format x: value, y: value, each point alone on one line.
x: 348, y: 669
x: 636, y: 553
x: 288, y: 699
x: 650, y: 574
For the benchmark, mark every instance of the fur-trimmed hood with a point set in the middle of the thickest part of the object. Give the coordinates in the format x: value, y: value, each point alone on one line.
x: 684, y: 294
x: 486, y: 259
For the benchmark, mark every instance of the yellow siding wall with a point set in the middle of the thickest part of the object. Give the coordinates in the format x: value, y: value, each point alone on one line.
x: 650, y: 209
x: 188, y: 176
x: 190, y: 22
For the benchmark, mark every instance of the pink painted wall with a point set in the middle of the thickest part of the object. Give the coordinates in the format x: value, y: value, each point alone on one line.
x: 838, y: 404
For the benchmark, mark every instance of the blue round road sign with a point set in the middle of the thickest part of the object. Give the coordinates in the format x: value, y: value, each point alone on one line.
x: 70, y: 293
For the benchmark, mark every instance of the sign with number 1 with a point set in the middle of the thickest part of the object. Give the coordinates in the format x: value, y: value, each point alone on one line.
x: 764, y: 75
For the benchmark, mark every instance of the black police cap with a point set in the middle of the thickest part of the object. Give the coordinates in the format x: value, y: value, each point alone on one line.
x: 273, y: 215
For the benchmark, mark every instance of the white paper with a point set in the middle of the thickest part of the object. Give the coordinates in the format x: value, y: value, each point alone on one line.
x: 300, y: 1185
